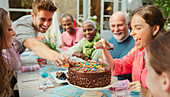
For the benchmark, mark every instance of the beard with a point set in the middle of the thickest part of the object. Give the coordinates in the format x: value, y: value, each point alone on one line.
x: 118, y: 35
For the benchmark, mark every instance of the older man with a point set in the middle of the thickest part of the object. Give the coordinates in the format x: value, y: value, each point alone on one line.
x: 27, y: 28
x: 123, y: 42
x: 72, y: 35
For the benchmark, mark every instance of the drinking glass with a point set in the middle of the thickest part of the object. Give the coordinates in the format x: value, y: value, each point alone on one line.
x: 44, y: 82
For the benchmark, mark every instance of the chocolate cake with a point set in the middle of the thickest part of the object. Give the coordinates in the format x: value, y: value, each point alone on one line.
x: 89, y: 75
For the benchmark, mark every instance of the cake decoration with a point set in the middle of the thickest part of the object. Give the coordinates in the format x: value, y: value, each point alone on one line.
x: 89, y: 74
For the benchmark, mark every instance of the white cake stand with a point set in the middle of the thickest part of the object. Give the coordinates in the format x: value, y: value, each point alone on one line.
x: 93, y: 92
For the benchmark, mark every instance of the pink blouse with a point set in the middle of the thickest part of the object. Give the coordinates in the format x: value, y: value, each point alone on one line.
x: 12, y: 57
x: 133, y: 63
x: 70, y: 40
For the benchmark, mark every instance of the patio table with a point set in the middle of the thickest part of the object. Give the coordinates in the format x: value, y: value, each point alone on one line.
x: 28, y: 81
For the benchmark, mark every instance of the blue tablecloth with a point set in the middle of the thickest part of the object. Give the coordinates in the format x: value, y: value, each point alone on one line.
x: 70, y: 91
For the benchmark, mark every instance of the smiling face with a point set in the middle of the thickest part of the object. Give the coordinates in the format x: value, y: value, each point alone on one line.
x: 89, y: 31
x: 42, y: 20
x: 141, y: 31
x: 68, y: 25
x: 8, y: 32
x: 118, y: 26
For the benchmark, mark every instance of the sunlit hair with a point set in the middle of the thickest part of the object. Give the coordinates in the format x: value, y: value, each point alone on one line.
x: 127, y: 19
x: 152, y: 16
x: 90, y: 22
x: 38, y: 5
x: 67, y: 15
x: 5, y: 74
x: 159, y: 53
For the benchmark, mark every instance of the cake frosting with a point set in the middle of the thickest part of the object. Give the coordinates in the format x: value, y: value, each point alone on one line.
x: 89, y: 74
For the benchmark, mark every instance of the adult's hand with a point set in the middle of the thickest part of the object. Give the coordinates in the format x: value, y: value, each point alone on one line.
x: 61, y: 59
x: 62, y: 45
x: 100, y: 59
x: 101, y: 44
x: 135, y: 86
x: 86, y: 58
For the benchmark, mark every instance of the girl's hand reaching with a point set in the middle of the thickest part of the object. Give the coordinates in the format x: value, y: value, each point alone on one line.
x: 103, y: 44
x: 135, y: 86
x: 138, y: 87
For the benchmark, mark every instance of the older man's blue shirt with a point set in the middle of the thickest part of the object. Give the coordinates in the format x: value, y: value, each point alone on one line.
x: 121, y: 48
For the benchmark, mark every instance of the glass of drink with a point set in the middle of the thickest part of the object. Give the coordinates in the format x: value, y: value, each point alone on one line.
x: 44, y: 82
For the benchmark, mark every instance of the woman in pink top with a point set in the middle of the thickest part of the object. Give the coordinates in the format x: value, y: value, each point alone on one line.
x: 147, y: 23
x: 6, y: 34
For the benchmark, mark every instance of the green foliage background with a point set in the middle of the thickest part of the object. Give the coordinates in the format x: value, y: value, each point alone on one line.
x: 164, y: 5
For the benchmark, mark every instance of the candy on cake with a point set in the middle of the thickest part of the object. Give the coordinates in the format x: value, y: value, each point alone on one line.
x: 89, y: 74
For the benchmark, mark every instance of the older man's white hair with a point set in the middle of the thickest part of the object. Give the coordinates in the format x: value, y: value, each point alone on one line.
x: 125, y: 14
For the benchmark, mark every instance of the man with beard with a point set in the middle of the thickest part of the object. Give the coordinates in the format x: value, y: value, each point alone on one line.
x: 123, y: 42
x: 27, y: 28
x: 72, y: 35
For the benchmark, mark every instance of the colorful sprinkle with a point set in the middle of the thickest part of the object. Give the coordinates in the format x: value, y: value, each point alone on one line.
x: 98, y: 66
x: 78, y: 69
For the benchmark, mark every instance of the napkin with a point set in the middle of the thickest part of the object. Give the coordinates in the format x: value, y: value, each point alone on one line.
x: 121, y: 85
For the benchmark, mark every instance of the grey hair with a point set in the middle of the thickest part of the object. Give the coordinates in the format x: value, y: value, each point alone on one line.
x: 91, y: 22
x: 127, y: 18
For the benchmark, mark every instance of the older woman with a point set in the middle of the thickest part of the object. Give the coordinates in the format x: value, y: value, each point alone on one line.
x: 84, y: 48
x: 158, y: 67
x: 147, y: 23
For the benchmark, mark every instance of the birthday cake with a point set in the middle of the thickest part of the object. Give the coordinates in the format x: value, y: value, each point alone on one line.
x: 89, y: 75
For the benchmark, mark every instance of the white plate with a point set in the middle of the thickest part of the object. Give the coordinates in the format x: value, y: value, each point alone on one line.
x: 56, y: 79
x: 113, y: 82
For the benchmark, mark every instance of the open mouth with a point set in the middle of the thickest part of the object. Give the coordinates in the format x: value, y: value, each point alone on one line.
x: 44, y: 28
x: 117, y: 33
x: 88, y: 36
x: 137, y: 41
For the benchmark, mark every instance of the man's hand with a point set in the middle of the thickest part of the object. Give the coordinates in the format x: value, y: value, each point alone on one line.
x: 62, y: 45
x: 61, y: 59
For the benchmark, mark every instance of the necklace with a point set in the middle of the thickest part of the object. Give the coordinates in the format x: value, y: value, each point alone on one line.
x: 89, y: 45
